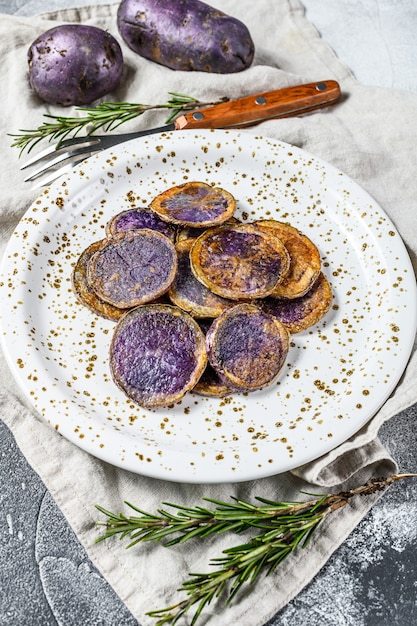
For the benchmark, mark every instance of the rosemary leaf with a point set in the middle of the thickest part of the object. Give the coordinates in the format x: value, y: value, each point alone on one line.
x: 106, y: 115
x: 282, y: 528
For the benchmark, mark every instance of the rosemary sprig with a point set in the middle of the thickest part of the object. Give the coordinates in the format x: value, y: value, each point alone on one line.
x: 242, y: 564
x: 107, y: 115
x: 283, y: 526
x: 196, y: 521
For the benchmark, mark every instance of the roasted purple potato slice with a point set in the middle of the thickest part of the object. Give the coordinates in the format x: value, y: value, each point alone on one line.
x: 134, y: 267
x: 83, y: 291
x: 189, y: 293
x: 305, y: 262
x: 247, y: 347
x: 133, y: 219
x: 194, y: 204
x: 239, y: 262
x: 298, y: 314
x: 157, y: 354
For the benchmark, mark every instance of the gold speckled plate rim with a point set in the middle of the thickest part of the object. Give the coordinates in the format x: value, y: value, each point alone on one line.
x: 337, y: 374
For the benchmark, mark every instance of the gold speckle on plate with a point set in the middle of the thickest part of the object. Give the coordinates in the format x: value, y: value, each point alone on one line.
x: 342, y: 369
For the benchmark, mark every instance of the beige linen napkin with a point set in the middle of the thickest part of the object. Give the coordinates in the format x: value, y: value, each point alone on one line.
x: 371, y: 136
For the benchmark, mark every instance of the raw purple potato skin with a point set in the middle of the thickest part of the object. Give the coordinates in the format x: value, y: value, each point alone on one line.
x: 157, y: 354
x: 74, y: 64
x: 185, y: 35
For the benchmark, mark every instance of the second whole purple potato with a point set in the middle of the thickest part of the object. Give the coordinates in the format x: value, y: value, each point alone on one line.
x: 185, y: 35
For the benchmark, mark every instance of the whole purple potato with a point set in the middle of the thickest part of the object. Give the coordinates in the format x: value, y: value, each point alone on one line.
x: 185, y: 35
x: 74, y: 64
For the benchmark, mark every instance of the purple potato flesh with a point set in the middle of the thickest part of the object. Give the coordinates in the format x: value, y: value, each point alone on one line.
x: 239, y: 262
x: 157, y: 354
x: 135, y: 267
x: 247, y: 347
x: 300, y: 313
x: 185, y: 35
x: 133, y: 219
x: 194, y: 204
x: 190, y: 294
x: 196, y: 305
x: 74, y: 64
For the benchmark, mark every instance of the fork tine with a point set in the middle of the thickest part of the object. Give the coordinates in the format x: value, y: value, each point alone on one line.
x: 46, y: 166
x: 47, y: 180
x: 38, y: 157
x: 62, y: 147
x: 80, y: 152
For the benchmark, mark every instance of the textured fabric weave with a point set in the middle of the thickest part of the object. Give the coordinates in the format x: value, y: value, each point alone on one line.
x: 371, y: 136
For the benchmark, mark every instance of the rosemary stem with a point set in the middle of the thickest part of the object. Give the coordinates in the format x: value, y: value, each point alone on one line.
x: 106, y: 115
x: 281, y: 528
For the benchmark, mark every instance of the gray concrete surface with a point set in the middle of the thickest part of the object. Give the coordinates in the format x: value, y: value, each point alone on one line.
x: 46, y: 578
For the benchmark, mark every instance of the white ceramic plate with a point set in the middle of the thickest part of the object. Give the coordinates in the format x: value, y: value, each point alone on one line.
x: 337, y: 375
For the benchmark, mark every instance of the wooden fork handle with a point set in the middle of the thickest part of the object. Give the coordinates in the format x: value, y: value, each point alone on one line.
x: 284, y: 102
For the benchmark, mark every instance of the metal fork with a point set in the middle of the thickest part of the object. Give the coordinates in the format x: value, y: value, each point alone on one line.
x: 249, y: 110
x: 74, y: 151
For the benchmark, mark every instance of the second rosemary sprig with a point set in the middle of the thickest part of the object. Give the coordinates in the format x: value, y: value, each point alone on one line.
x: 240, y: 565
x: 106, y: 115
x: 281, y: 528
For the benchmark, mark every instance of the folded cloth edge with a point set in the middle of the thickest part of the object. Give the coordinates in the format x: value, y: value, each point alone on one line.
x: 107, y: 564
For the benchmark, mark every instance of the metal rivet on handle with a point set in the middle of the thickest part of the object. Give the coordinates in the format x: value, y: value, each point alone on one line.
x: 321, y: 86
x: 197, y: 115
x: 260, y: 100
